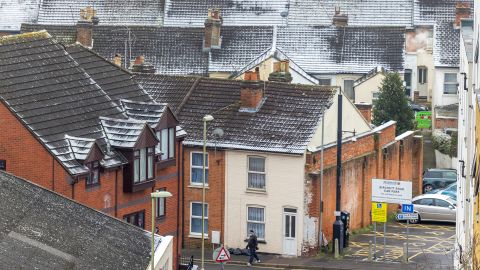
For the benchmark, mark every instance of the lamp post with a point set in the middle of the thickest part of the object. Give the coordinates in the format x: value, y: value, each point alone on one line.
x: 156, y: 195
x: 338, y: 224
x: 206, y: 118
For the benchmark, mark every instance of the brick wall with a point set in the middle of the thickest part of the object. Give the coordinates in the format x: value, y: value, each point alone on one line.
x: 214, y: 195
x: 27, y: 158
x: 446, y: 123
x: 366, y: 111
x: 377, y: 155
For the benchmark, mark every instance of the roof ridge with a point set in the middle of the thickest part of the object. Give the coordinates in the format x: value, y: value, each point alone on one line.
x: 187, y: 96
x: 28, y: 35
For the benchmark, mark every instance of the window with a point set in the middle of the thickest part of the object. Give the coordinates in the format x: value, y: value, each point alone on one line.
x: 256, y: 173
x: 256, y: 221
x: 450, y: 83
x: 428, y: 202
x: 433, y: 174
x: 348, y: 89
x: 442, y: 203
x: 137, y: 219
x: 166, y: 146
x: 450, y: 175
x: 422, y: 75
x: 408, y: 81
x: 143, y: 165
x: 3, y: 165
x: 375, y: 95
x: 196, y: 176
x: 196, y: 219
x: 94, y: 177
x: 160, y: 205
x: 325, y: 81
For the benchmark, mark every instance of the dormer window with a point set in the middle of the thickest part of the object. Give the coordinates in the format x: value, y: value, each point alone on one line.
x: 143, y: 165
x: 166, y: 146
x: 93, y: 178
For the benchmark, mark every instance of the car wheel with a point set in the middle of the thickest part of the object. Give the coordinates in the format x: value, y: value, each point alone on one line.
x: 427, y: 188
x: 415, y: 221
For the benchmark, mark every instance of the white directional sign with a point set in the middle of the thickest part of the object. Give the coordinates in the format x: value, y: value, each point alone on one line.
x: 391, y: 191
x: 407, y: 216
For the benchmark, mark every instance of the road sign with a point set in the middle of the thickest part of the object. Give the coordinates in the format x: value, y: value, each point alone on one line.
x: 407, y: 216
x: 391, y: 191
x: 407, y: 208
x: 379, y: 212
x: 221, y: 255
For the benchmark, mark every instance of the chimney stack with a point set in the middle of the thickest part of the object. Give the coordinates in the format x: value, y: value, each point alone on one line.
x: 281, y: 72
x: 339, y: 19
x: 251, y: 92
x: 213, y: 25
x: 462, y: 11
x: 85, y: 26
x: 117, y: 60
x: 366, y: 111
x: 139, y: 66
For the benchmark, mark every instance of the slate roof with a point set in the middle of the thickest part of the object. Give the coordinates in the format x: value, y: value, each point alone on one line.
x: 429, y: 12
x: 320, y: 50
x: 122, y: 133
x: 40, y: 229
x: 16, y: 12
x: 116, y: 12
x: 446, y: 51
x: 285, y: 122
x: 52, y: 96
x: 115, y: 81
x: 300, y: 12
x: 148, y: 112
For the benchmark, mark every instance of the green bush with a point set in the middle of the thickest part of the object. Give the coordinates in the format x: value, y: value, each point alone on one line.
x: 445, y: 143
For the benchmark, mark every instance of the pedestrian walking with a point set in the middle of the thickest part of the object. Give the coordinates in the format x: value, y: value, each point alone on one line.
x: 252, y: 246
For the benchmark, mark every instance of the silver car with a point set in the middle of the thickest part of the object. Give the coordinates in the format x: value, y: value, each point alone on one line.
x: 434, y: 207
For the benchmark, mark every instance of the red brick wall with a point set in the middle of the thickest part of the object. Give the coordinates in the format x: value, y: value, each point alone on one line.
x: 214, y: 195
x: 446, y: 123
x: 29, y: 159
x: 375, y: 156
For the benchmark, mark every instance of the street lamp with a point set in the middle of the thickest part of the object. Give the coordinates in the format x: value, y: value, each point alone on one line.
x: 206, y: 118
x: 156, y: 195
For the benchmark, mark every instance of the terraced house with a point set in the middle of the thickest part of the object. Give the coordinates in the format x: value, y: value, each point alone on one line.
x: 79, y: 125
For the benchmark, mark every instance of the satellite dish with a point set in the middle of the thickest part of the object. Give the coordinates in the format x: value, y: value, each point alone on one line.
x: 218, y: 132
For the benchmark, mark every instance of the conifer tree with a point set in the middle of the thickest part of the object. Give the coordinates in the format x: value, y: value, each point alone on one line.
x: 392, y: 104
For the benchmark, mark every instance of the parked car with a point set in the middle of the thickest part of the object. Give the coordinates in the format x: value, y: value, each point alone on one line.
x: 438, y: 179
x: 434, y: 207
x: 417, y: 107
x: 450, y: 191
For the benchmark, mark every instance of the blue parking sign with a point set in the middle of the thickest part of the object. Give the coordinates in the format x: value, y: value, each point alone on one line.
x: 407, y: 208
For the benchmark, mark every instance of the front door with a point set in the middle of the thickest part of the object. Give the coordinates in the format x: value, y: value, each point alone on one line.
x: 289, y: 231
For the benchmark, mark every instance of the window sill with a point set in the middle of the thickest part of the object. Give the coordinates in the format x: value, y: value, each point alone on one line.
x: 197, y: 236
x: 256, y: 191
x: 92, y: 187
x: 260, y: 241
x: 450, y: 94
x: 160, y: 219
x: 198, y: 186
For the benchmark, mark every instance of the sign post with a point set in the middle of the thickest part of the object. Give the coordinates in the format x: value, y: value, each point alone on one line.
x: 407, y: 214
x: 388, y: 191
x: 221, y: 255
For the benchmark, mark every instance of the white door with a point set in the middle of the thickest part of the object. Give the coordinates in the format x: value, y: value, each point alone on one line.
x: 289, y: 231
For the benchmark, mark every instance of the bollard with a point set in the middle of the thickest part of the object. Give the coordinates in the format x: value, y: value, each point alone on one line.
x: 405, y: 255
x: 336, y: 249
x: 370, y: 250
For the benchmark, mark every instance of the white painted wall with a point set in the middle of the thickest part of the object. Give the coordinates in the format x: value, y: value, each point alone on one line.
x: 364, y: 91
x: 164, y: 254
x: 352, y: 119
x: 284, y: 188
x: 439, y: 98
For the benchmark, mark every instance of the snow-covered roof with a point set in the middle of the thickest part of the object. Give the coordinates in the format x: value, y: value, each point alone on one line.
x: 429, y: 12
x: 122, y: 133
x: 446, y: 45
x: 15, y: 12
x: 144, y: 111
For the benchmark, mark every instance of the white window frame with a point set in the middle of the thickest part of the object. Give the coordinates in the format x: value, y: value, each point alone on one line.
x: 264, y: 173
x: 166, y: 150
x: 199, y: 167
x: 258, y: 222
x: 450, y: 83
x: 158, y: 205
x: 422, y: 75
x: 147, y: 164
x: 205, y: 235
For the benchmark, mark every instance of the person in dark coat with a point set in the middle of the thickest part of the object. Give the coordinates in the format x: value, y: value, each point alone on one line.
x: 252, y: 246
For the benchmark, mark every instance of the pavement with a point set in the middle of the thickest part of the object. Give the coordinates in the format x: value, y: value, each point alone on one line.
x: 430, y: 247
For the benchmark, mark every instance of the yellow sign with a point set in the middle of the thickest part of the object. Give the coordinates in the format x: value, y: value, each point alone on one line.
x: 379, y: 212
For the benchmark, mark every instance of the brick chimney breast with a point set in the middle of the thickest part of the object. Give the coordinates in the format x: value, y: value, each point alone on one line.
x: 140, y: 66
x: 251, y: 93
x: 213, y: 25
x: 339, y: 19
x: 85, y: 27
x: 462, y: 11
x: 281, y: 72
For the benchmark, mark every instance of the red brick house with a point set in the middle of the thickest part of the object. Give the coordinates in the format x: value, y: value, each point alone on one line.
x: 79, y: 125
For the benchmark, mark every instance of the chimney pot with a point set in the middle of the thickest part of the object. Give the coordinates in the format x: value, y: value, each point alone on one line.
x: 117, y: 60
x: 281, y: 72
x: 339, y: 19
x: 139, y: 60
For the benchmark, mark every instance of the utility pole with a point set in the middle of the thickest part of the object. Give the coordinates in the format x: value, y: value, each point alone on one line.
x: 338, y: 224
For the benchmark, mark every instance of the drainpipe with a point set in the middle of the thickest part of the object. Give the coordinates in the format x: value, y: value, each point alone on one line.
x: 320, y: 237
x: 53, y: 174
x: 178, y: 194
x: 183, y: 192
x: 116, y: 194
